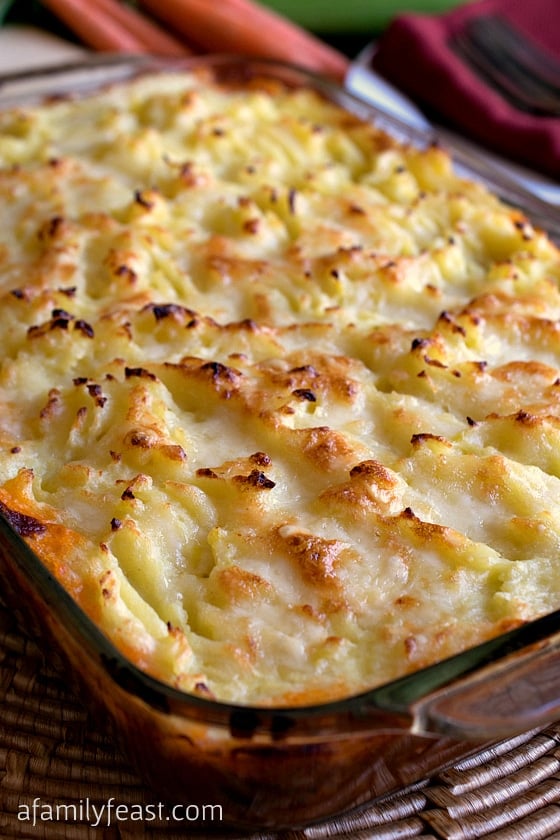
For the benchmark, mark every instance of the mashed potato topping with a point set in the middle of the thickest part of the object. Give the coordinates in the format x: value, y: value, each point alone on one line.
x: 280, y: 397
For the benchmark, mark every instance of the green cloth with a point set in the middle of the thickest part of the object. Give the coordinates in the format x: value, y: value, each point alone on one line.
x: 365, y: 16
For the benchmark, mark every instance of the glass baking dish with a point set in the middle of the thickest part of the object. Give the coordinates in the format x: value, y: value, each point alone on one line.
x: 284, y: 767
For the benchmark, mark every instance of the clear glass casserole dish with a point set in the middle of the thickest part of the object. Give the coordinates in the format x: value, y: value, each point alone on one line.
x: 284, y: 766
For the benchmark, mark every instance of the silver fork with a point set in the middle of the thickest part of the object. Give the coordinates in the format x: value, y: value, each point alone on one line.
x: 512, y: 63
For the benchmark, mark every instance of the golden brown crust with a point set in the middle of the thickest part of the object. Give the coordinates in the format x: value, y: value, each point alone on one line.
x: 279, y: 396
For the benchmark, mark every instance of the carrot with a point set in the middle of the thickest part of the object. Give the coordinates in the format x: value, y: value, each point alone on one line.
x: 156, y: 39
x: 244, y: 26
x: 107, y: 25
x: 94, y: 29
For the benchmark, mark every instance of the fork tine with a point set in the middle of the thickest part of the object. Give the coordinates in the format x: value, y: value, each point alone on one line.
x: 541, y: 64
x: 500, y: 59
x: 489, y: 69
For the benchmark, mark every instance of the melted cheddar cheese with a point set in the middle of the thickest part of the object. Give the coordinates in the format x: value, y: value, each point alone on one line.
x: 279, y: 396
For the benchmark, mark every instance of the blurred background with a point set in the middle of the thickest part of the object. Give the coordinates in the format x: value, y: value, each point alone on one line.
x: 347, y: 24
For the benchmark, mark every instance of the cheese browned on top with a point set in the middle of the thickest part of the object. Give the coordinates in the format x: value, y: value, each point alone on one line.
x: 279, y: 396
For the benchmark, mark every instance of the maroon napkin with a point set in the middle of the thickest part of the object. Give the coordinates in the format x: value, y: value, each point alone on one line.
x: 416, y: 54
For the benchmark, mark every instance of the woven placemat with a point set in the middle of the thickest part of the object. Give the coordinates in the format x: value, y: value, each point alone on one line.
x: 57, y: 772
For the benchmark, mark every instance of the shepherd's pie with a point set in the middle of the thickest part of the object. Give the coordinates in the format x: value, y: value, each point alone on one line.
x: 280, y: 396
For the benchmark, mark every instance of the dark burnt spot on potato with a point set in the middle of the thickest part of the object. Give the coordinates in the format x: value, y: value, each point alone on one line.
x: 139, y: 372
x: 22, y: 523
x: 85, y: 328
x: 304, y: 394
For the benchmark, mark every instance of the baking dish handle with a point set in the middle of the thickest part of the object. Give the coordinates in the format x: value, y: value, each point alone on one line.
x: 516, y: 697
x: 505, y: 686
